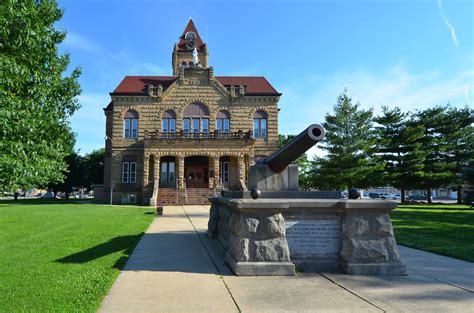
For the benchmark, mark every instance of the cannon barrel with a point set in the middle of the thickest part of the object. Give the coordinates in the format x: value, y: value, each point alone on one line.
x: 295, y: 148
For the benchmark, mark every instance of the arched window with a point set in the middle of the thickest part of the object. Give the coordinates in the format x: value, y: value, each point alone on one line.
x: 168, y: 122
x: 130, y: 129
x: 196, y: 118
x: 223, y: 122
x: 260, y: 124
x: 190, y: 63
x: 183, y: 63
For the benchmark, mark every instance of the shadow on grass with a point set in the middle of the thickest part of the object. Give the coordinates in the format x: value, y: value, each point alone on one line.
x: 121, y: 243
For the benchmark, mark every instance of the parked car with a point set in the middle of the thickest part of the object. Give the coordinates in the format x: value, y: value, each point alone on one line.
x: 386, y: 196
x: 396, y: 196
x: 375, y: 195
x: 417, y: 197
x: 48, y: 194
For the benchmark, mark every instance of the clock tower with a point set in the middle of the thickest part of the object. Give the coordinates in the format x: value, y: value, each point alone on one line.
x: 183, y: 50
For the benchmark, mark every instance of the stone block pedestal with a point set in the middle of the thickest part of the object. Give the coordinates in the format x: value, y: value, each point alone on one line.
x: 270, y: 236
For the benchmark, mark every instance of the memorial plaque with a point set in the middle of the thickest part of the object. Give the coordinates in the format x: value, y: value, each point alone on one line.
x: 313, y: 238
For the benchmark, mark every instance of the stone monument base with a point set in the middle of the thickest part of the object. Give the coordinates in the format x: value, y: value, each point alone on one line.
x: 270, y: 236
x: 260, y: 268
x: 387, y: 269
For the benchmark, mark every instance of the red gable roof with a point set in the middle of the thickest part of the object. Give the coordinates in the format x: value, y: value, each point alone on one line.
x: 138, y: 84
x: 190, y: 28
x: 253, y: 85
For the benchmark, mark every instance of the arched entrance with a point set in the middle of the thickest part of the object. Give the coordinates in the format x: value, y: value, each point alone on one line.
x: 196, y: 171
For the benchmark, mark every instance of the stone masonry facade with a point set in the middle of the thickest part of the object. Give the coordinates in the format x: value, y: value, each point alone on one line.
x: 145, y: 153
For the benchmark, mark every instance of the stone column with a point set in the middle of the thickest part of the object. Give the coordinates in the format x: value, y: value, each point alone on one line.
x: 145, y: 169
x: 241, y: 167
x: 156, y: 168
x: 215, y: 163
x: 180, y: 171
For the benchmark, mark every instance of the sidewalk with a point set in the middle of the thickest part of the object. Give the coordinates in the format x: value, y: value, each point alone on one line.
x: 176, y: 268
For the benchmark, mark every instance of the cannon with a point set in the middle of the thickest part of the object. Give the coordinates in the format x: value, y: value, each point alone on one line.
x: 276, y: 173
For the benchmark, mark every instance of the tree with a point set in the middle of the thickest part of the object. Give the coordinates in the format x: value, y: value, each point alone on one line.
x: 304, y: 165
x: 74, y: 177
x: 350, y: 144
x: 458, y: 133
x: 398, y: 146
x: 94, y: 168
x: 37, y: 97
x: 438, y: 167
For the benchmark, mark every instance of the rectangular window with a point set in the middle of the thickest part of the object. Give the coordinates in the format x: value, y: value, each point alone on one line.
x: 196, y: 125
x: 165, y: 125
x: 133, y: 172
x: 171, y: 172
x: 256, y: 128
x: 186, y: 125
x: 134, y: 128
x: 172, y: 126
x: 167, y: 172
x: 205, y: 125
x: 263, y: 128
x: 164, y: 172
x: 127, y: 128
x: 226, y: 125
x: 224, y: 172
x: 125, y: 171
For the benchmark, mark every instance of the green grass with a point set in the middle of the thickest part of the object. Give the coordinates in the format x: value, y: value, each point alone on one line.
x: 61, y: 256
x: 442, y: 229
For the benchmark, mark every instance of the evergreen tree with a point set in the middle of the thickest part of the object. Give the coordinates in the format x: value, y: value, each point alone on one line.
x: 458, y: 134
x: 37, y: 97
x: 398, y: 146
x: 438, y: 167
x: 350, y: 144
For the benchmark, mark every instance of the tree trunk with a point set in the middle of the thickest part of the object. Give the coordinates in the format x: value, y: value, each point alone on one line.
x: 15, y: 195
x: 459, y: 194
x: 428, y: 195
x: 402, y: 195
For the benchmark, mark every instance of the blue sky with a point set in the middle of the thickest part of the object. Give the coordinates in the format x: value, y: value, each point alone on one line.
x: 412, y: 54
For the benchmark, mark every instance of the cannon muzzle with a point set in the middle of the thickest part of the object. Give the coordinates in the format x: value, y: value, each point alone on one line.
x: 279, y: 160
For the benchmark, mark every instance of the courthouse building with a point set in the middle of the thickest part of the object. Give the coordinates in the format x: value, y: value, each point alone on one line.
x: 177, y: 138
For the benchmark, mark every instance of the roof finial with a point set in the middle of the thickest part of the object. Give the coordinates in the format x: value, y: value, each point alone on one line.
x: 190, y: 17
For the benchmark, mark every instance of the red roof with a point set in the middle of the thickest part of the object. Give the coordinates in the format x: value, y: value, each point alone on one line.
x: 253, y: 85
x: 138, y: 84
x: 256, y: 85
x: 190, y: 28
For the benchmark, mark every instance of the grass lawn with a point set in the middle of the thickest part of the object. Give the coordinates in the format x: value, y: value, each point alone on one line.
x: 61, y: 256
x: 442, y: 229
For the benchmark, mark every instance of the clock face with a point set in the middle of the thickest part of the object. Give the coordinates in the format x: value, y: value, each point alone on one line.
x: 190, y: 38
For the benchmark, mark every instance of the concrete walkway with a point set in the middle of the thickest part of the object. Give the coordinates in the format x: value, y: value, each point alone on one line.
x: 176, y: 268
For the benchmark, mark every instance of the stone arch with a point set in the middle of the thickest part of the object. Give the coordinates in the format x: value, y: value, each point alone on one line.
x: 130, y: 108
x: 259, y: 108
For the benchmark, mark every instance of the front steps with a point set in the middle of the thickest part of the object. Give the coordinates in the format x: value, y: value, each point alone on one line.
x: 169, y: 196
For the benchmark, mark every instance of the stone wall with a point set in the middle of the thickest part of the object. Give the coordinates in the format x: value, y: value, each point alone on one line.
x: 193, y: 86
x: 253, y: 233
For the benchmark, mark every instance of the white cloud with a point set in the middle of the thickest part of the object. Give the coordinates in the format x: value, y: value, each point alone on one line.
x: 448, y: 24
x: 80, y: 42
x: 308, y: 100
